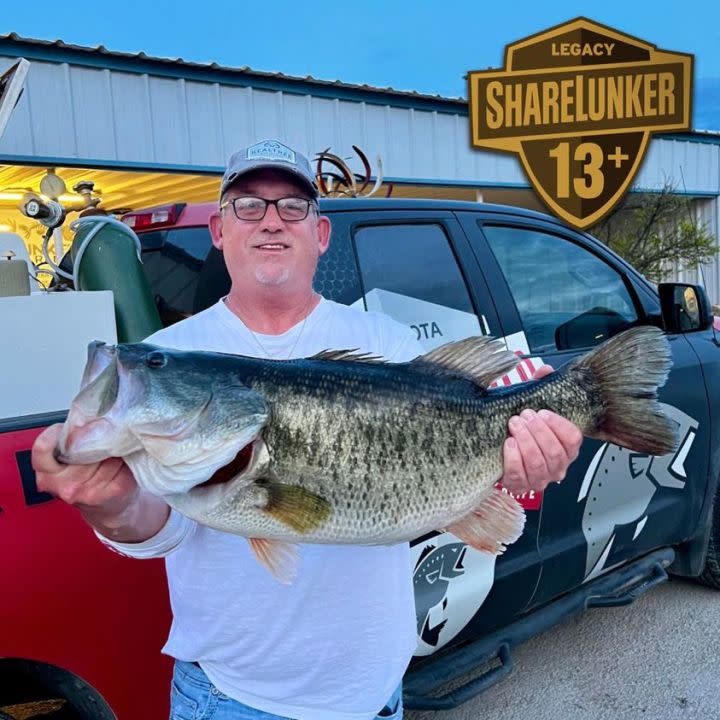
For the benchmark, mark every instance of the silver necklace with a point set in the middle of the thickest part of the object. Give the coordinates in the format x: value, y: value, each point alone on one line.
x: 268, y: 354
x: 265, y: 351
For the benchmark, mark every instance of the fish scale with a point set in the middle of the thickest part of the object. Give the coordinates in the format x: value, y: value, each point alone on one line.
x: 412, y: 490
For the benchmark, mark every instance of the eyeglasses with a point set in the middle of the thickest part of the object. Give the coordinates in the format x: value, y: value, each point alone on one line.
x: 253, y: 209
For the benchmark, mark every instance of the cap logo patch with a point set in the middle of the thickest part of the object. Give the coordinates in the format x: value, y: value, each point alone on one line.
x: 270, y: 150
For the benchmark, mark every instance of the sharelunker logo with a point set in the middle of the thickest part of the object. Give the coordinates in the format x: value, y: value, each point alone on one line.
x: 578, y: 103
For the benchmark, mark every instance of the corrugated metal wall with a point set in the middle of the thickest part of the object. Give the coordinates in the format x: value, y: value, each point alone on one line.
x: 76, y: 112
x: 706, y: 213
x: 692, y: 167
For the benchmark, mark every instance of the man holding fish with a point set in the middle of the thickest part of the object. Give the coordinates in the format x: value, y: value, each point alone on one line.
x: 333, y: 639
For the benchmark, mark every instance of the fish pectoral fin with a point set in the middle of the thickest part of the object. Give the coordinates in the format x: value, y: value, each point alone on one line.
x: 495, y: 523
x: 294, y: 506
x: 278, y: 556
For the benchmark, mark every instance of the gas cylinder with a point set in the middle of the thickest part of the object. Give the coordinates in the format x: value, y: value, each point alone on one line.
x: 106, y: 256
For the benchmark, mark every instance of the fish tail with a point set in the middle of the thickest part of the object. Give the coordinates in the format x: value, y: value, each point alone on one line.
x: 621, y: 378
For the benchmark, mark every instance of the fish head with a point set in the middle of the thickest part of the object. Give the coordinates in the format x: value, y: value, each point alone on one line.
x: 176, y: 406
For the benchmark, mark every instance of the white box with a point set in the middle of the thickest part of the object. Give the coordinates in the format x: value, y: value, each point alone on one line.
x: 43, y: 347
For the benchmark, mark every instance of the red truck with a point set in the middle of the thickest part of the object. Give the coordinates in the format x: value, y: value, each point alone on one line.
x: 81, y: 627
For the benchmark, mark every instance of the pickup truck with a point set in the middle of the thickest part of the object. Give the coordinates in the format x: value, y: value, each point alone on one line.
x: 83, y: 627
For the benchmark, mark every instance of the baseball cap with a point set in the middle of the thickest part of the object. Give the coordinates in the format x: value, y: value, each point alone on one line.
x: 269, y: 154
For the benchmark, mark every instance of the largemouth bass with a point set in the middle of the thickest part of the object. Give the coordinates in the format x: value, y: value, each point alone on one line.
x: 343, y: 448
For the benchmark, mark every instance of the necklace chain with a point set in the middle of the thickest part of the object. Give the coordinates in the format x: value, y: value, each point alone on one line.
x: 268, y: 354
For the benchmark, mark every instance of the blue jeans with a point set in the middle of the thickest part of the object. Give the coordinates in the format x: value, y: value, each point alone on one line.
x: 194, y: 697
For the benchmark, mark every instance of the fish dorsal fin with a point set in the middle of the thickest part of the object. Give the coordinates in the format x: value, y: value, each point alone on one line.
x: 353, y: 355
x: 478, y: 359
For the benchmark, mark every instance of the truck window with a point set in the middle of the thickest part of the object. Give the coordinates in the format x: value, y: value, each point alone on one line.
x: 567, y: 297
x: 172, y: 260
x: 337, y: 276
x: 410, y: 273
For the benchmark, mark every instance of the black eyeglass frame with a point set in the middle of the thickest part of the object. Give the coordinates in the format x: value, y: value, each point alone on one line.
x: 310, y: 203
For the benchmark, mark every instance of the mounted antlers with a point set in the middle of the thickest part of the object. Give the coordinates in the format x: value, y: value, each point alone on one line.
x: 345, y: 184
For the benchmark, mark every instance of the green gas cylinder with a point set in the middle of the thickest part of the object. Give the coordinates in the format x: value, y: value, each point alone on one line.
x: 105, y: 255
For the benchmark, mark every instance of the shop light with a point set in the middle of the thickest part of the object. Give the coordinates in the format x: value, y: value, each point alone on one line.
x: 17, y: 196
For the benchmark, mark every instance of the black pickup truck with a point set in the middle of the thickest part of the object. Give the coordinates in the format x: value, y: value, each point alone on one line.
x: 620, y: 521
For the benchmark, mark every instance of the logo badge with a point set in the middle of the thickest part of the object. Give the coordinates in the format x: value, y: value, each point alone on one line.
x: 578, y: 103
x: 270, y: 150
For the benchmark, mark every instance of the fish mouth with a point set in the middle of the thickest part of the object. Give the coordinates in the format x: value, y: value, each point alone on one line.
x: 94, y: 429
x: 83, y: 433
x: 88, y: 423
x: 99, y: 356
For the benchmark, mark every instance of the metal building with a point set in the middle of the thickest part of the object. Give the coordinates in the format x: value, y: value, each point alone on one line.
x: 152, y: 130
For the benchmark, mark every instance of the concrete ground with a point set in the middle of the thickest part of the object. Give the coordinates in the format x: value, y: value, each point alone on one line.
x: 658, y: 659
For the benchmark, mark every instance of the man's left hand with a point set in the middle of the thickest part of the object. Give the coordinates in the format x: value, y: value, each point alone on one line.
x: 540, y: 448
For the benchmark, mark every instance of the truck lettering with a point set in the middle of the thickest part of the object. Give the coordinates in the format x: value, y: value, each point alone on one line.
x: 427, y: 330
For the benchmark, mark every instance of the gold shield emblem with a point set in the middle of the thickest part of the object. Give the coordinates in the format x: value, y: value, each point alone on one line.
x: 578, y: 104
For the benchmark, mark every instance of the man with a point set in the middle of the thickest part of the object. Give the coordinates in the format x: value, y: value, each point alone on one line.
x: 333, y: 645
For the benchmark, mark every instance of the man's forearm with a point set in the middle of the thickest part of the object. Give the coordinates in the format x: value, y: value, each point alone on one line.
x: 140, y: 521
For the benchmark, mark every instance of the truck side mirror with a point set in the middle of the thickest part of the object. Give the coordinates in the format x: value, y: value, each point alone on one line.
x: 685, y: 308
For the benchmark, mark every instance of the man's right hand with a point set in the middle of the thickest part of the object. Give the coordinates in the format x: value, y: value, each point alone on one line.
x: 105, y: 493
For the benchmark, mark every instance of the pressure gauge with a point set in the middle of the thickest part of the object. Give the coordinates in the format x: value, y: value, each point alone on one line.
x: 52, y: 185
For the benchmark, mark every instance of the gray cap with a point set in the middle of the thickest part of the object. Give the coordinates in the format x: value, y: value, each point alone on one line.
x: 269, y: 154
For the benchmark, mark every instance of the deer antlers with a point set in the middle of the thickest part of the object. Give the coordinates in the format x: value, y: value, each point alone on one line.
x: 345, y: 184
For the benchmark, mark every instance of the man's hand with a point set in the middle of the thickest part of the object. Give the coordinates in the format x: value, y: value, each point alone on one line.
x: 105, y: 493
x: 540, y: 448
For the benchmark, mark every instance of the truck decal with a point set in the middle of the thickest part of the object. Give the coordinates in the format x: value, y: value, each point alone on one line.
x: 451, y: 581
x: 619, y: 485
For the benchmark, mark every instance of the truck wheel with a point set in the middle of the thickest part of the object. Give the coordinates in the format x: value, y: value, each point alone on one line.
x: 31, y: 690
x: 711, y: 574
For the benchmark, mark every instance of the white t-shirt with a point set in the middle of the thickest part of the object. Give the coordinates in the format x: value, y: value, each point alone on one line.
x: 335, y: 644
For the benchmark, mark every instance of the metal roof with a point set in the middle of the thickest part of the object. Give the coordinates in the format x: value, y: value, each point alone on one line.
x: 14, y: 45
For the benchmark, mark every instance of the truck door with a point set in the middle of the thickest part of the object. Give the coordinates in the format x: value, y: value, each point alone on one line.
x: 419, y: 268
x: 559, y: 294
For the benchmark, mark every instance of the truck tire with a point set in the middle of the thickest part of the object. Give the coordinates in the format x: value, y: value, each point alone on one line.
x: 711, y: 574
x: 31, y: 689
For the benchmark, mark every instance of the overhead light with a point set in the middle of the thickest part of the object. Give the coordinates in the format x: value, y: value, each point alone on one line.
x: 11, y: 196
